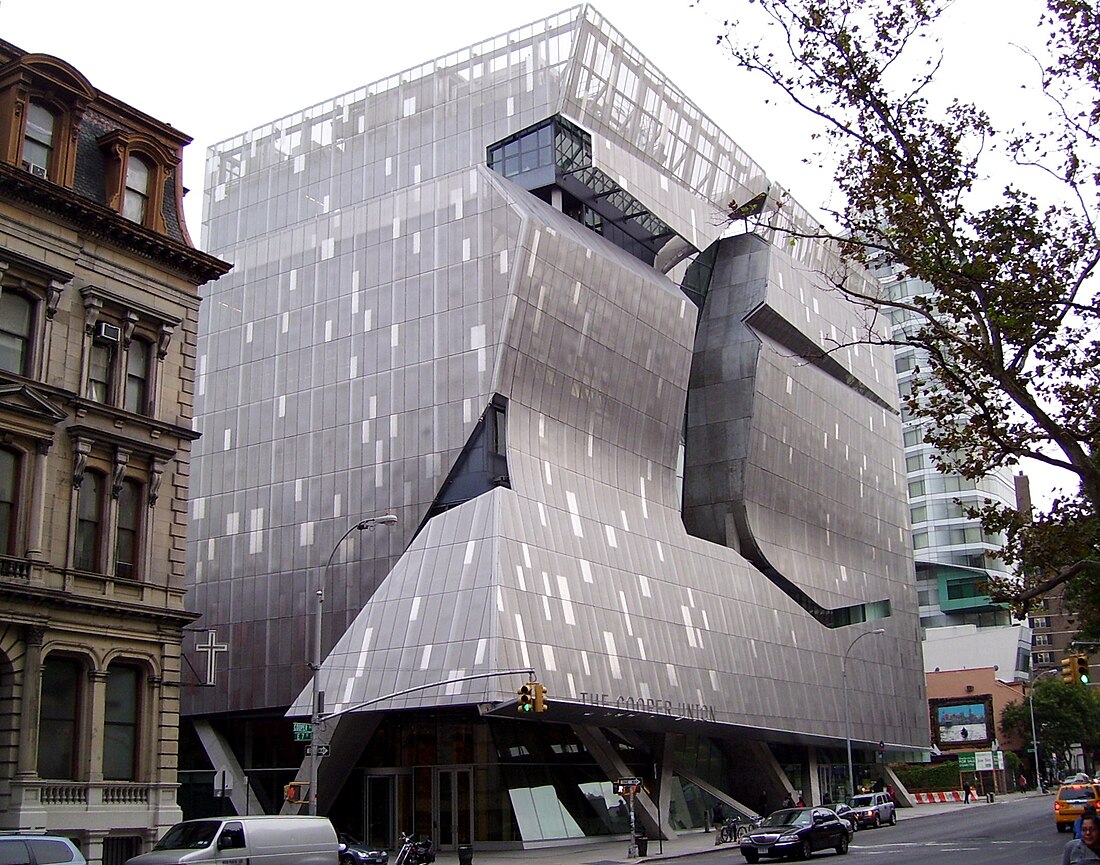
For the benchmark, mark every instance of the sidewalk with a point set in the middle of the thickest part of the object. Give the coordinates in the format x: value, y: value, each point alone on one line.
x: 687, y: 844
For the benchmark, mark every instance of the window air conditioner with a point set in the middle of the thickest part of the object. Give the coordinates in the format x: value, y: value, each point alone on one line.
x: 36, y: 170
x: 107, y: 332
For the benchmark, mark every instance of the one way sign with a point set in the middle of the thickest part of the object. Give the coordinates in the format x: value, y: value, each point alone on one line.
x: 322, y: 750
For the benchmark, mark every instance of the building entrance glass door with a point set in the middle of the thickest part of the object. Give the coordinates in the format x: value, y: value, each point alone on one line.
x: 381, y: 811
x: 452, y: 805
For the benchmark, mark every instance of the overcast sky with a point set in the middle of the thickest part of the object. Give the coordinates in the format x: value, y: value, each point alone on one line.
x: 215, y: 68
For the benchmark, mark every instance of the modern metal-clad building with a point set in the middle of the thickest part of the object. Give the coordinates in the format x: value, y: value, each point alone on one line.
x: 491, y: 295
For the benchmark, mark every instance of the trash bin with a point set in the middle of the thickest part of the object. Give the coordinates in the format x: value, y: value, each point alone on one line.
x: 989, y: 796
x: 465, y: 855
x: 643, y: 845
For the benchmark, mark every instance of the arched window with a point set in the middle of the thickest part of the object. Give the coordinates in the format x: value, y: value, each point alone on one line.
x: 38, y: 139
x: 135, y: 201
x: 129, y: 530
x: 59, y: 715
x: 120, y: 723
x: 9, y: 490
x: 89, y: 522
x: 16, y: 325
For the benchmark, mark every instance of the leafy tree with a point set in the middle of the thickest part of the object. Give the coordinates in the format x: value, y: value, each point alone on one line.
x: 1065, y: 715
x: 1007, y: 332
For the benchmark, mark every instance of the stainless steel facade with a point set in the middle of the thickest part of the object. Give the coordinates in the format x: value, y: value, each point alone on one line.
x: 394, y: 300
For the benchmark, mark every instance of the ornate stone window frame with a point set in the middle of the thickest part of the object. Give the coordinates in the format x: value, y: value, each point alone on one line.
x: 134, y: 321
x: 56, y: 86
x: 119, y: 147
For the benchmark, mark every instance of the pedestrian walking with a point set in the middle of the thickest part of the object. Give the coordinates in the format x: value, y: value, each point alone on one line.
x: 966, y: 793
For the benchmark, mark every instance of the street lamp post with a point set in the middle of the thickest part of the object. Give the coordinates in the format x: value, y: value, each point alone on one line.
x: 317, y: 716
x: 1034, y: 738
x: 847, y: 716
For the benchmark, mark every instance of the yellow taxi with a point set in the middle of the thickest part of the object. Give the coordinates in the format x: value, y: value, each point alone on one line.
x: 1070, y: 802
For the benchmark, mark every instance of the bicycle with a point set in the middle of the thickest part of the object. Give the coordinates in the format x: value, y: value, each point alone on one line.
x: 737, y: 827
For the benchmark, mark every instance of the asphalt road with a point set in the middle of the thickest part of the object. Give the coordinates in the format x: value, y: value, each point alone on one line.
x: 1015, y: 832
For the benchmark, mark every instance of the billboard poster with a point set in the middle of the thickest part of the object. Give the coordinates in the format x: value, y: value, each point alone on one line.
x: 960, y: 721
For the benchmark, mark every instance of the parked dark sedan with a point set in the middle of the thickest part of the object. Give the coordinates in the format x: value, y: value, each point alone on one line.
x: 796, y: 832
x: 354, y: 852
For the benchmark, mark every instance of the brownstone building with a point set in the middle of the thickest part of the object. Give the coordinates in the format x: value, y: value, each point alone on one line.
x: 98, y: 309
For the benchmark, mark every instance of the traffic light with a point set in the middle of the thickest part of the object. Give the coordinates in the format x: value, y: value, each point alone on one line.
x: 1081, y: 663
x: 296, y: 792
x: 540, y: 697
x: 526, y: 702
x: 1069, y: 670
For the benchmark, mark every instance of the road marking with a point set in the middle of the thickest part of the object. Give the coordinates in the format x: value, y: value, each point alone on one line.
x: 949, y: 845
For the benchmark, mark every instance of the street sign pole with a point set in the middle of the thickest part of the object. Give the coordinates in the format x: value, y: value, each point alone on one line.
x: 633, y: 851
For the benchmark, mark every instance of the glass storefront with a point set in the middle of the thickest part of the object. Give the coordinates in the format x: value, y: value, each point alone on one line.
x: 462, y: 780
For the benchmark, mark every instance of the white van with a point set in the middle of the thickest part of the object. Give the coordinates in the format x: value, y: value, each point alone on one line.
x: 271, y: 840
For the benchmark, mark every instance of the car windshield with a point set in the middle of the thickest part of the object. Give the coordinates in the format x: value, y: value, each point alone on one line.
x: 786, y: 818
x: 1074, y: 793
x: 189, y: 836
x: 861, y: 801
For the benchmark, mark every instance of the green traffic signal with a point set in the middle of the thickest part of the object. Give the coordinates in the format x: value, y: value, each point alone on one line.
x: 526, y: 698
x: 1082, y: 662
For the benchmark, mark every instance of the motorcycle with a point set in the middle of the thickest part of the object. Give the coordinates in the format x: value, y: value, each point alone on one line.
x: 415, y: 850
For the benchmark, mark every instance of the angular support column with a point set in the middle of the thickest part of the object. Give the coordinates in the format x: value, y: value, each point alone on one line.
x: 221, y: 756
x: 595, y: 741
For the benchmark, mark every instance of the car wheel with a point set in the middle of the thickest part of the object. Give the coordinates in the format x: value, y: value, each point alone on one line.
x: 1062, y: 827
x: 875, y: 822
x: 842, y: 845
x: 345, y: 859
x: 806, y: 851
x: 750, y: 855
x: 894, y: 818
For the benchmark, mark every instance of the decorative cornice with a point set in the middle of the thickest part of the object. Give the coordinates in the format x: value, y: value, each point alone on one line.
x: 104, y: 224
x: 11, y: 594
x: 28, y: 400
